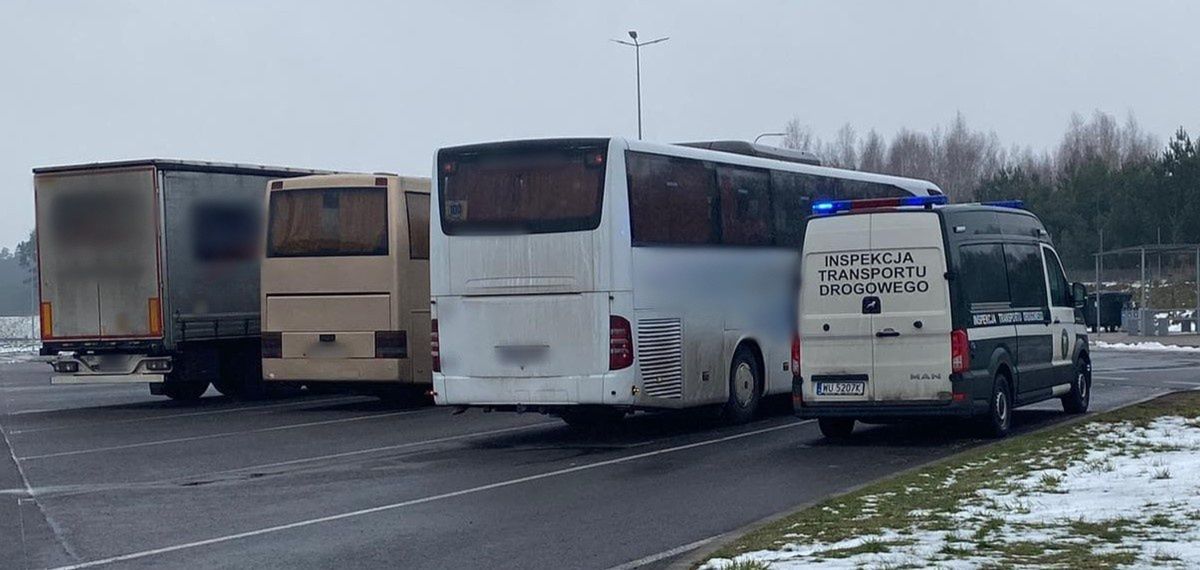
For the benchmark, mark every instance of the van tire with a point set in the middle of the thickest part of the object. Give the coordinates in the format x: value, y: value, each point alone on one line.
x: 745, y: 387
x: 836, y: 428
x: 1080, y: 397
x: 998, y: 422
x: 184, y: 391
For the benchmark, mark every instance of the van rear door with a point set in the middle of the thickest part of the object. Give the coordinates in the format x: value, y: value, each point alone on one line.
x: 875, y: 309
x: 98, y: 252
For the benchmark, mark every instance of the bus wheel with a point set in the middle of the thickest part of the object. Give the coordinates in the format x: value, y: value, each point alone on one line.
x: 588, y: 418
x: 1077, y: 400
x: 745, y: 388
x: 836, y: 428
x: 185, y: 391
x: 999, y: 418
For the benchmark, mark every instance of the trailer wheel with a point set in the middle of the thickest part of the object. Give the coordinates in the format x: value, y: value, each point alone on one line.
x: 745, y: 387
x: 185, y: 391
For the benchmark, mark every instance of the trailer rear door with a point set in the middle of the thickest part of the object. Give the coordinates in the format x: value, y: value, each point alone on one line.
x: 98, y: 253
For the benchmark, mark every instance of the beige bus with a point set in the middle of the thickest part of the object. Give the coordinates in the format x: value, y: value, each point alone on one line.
x: 345, y: 284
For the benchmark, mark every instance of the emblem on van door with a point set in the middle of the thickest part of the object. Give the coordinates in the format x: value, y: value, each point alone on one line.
x: 871, y: 306
x: 925, y: 376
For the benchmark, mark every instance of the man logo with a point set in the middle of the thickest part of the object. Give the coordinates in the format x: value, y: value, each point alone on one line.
x: 925, y: 376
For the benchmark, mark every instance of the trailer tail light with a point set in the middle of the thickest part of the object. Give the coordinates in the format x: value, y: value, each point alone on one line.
x: 960, y: 352
x: 391, y: 344
x: 795, y: 354
x: 435, y: 346
x: 46, y: 316
x: 154, y: 316
x: 272, y: 345
x: 620, y: 343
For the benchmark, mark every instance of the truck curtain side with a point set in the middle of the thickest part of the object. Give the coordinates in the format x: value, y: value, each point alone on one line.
x: 150, y: 273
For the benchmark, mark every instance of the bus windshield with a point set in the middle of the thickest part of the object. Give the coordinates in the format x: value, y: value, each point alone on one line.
x: 520, y: 190
x: 325, y: 222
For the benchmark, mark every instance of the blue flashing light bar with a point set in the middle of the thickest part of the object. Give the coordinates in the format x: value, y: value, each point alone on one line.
x: 835, y: 206
x: 1018, y: 204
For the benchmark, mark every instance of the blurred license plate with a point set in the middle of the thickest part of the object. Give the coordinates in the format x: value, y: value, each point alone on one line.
x: 841, y: 388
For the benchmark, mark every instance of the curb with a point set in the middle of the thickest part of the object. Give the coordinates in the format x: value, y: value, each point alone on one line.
x: 712, y: 545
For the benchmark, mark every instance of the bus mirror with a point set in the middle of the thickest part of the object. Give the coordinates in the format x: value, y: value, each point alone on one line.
x: 1078, y: 295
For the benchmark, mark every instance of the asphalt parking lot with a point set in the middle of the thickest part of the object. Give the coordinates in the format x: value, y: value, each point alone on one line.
x: 111, y: 476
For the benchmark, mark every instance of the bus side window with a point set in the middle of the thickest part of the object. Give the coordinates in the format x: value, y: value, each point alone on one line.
x: 418, y: 225
x: 791, y: 200
x: 982, y: 276
x: 745, y: 206
x: 859, y: 190
x: 671, y: 200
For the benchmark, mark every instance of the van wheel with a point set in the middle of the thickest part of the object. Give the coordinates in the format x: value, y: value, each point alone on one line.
x: 836, y: 428
x: 586, y: 418
x: 999, y: 418
x: 745, y: 388
x: 185, y: 391
x: 1080, y: 397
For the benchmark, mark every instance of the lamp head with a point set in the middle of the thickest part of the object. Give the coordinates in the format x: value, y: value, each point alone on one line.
x: 633, y: 34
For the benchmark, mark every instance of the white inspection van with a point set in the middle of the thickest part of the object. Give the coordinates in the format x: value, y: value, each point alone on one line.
x: 909, y: 308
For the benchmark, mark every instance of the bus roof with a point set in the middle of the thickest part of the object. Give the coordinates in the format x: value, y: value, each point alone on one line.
x: 184, y: 165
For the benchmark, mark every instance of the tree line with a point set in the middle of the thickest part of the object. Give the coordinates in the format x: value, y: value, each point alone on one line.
x: 1104, y: 177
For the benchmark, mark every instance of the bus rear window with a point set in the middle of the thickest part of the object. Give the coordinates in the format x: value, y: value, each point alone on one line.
x: 521, y: 190
x: 327, y: 222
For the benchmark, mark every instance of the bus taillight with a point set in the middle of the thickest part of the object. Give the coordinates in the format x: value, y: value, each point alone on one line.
x: 272, y: 345
x: 620, y: 343
x: 435, y: 346
x: 391, y: 344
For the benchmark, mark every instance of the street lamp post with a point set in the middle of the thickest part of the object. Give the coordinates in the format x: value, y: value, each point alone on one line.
x: 637, y: 51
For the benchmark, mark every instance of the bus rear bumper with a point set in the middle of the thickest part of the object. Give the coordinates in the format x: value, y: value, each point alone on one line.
x: 519, y: 392
x: 334, y: 370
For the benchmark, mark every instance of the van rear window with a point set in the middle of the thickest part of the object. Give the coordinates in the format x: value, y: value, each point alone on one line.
x: 524, y: 189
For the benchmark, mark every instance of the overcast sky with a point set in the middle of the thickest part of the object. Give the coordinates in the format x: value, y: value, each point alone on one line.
x: 363, y: 86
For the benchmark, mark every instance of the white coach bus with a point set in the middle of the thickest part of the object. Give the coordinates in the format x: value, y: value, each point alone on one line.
x: 589, y: 277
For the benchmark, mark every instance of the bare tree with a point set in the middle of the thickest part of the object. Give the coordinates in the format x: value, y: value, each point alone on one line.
x: 872, y: 154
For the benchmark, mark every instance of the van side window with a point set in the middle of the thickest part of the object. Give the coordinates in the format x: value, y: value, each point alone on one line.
x: 1022, y: 225
x: 418, y: 224
x: 1026, y: 280
x: 671, y: 200
x: 745, y: 206
x: 1060, y: 291
x: 981, y: 274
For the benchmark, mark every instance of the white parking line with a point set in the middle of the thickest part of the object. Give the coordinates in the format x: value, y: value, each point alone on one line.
x: 340, y: 399
x: 211, y: 436
x: 429, y: 499
x: 1099, y: 377
x: 631, y: 565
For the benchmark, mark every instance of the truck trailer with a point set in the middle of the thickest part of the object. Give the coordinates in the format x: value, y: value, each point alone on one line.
x: 149, y: 273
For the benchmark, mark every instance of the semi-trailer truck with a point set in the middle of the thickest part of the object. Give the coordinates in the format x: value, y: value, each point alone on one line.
x: 149, y: 273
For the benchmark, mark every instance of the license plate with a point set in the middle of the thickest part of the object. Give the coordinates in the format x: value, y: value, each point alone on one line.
x: 841, y: 388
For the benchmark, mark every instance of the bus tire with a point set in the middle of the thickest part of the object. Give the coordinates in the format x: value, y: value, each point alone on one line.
x: 998, y: 422
x: 836, y: 428
x: 1080, y: 397
x: 745, y: 387
x: 585, y: 418
x: 184, y: 391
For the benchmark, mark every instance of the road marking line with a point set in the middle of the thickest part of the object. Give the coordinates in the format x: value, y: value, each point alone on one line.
x: 1182, y: 383
x: 186, y: 414
x: 211, y: 436
x: 1098, y: 377
x: 631, y: 565
x: 429, y: 499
